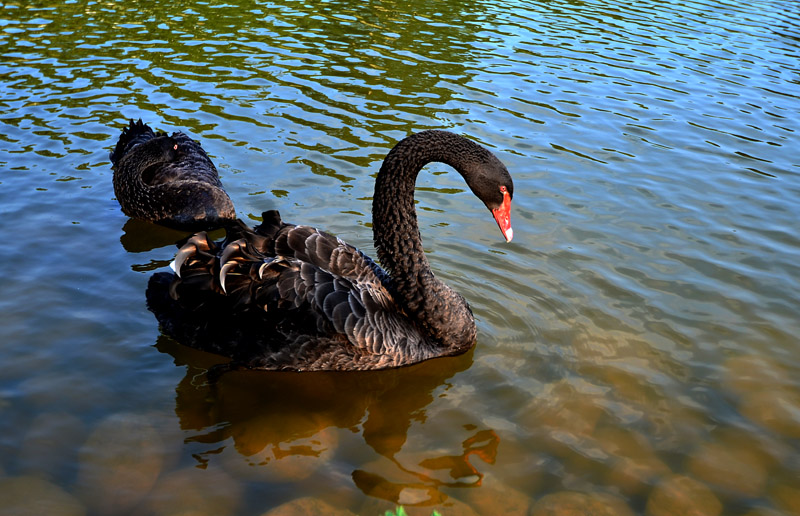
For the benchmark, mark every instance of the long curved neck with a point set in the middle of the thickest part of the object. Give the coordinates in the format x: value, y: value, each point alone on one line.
x: 440, y: 311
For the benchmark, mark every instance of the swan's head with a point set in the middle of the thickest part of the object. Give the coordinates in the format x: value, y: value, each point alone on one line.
x: 485, y: 175
x: 162, y: 149
x: 169, y: 146
x: 490, y: 181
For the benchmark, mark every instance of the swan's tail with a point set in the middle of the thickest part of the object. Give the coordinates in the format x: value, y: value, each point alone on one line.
x: 133, y: 134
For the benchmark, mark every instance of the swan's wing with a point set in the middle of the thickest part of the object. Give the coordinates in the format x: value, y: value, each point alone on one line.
x: 298, y: 265
x: 327, y: 300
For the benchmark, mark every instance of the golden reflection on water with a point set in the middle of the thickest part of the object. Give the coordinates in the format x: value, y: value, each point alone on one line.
x: 285, y: 426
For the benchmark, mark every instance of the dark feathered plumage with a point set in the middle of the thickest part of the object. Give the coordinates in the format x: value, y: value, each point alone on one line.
x: 319, y: 303
x: 168, y: 180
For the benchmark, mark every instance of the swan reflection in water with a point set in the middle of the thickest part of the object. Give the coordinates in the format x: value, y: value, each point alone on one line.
x: 139, y: 236
x: 285, y: 426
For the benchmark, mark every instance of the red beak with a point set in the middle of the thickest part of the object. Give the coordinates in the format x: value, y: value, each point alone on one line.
x: 503, y: 217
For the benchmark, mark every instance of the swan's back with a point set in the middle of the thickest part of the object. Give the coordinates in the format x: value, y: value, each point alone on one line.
x: 169, y: 180
x: 317, y: 302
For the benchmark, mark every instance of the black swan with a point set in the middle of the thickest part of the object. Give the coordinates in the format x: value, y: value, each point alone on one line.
x: 168, y: 180
x: 321, y: 304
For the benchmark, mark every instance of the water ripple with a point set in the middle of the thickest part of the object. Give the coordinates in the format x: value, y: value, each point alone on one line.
x: 638, y: 334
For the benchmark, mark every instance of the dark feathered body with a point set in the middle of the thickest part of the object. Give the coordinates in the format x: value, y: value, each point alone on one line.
x: 169, y: 180
x: 319, y: 303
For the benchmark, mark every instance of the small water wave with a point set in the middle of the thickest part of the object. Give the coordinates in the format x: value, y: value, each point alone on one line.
x: 637, y: 340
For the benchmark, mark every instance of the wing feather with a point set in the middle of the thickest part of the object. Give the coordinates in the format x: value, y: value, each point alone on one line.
x: 326, y: 298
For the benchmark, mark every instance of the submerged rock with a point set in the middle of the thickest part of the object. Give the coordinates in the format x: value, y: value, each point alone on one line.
x: 767, y: 392
x: 678, y: 495
x: 194, y: 491
x: 745, y: 374
x: 777, y: 410
x: 34, y: 496
x: 571, y: 503
x: 449, y: 507
x: 119, y: 463
x: 307, y: 507
x: 763, y: 511
x: 633, y: 465
x: 732, y: 466
x: 787, y: 497
x: 494, y: 497
x: 569, y: 407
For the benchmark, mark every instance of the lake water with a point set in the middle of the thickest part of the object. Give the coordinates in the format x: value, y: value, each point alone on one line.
x: 638, y: 347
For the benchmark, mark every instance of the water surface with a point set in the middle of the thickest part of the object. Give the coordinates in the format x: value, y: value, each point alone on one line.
x: 637, y: 344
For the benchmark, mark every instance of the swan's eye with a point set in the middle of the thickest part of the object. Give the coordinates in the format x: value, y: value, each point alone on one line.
x: 503, y: 189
